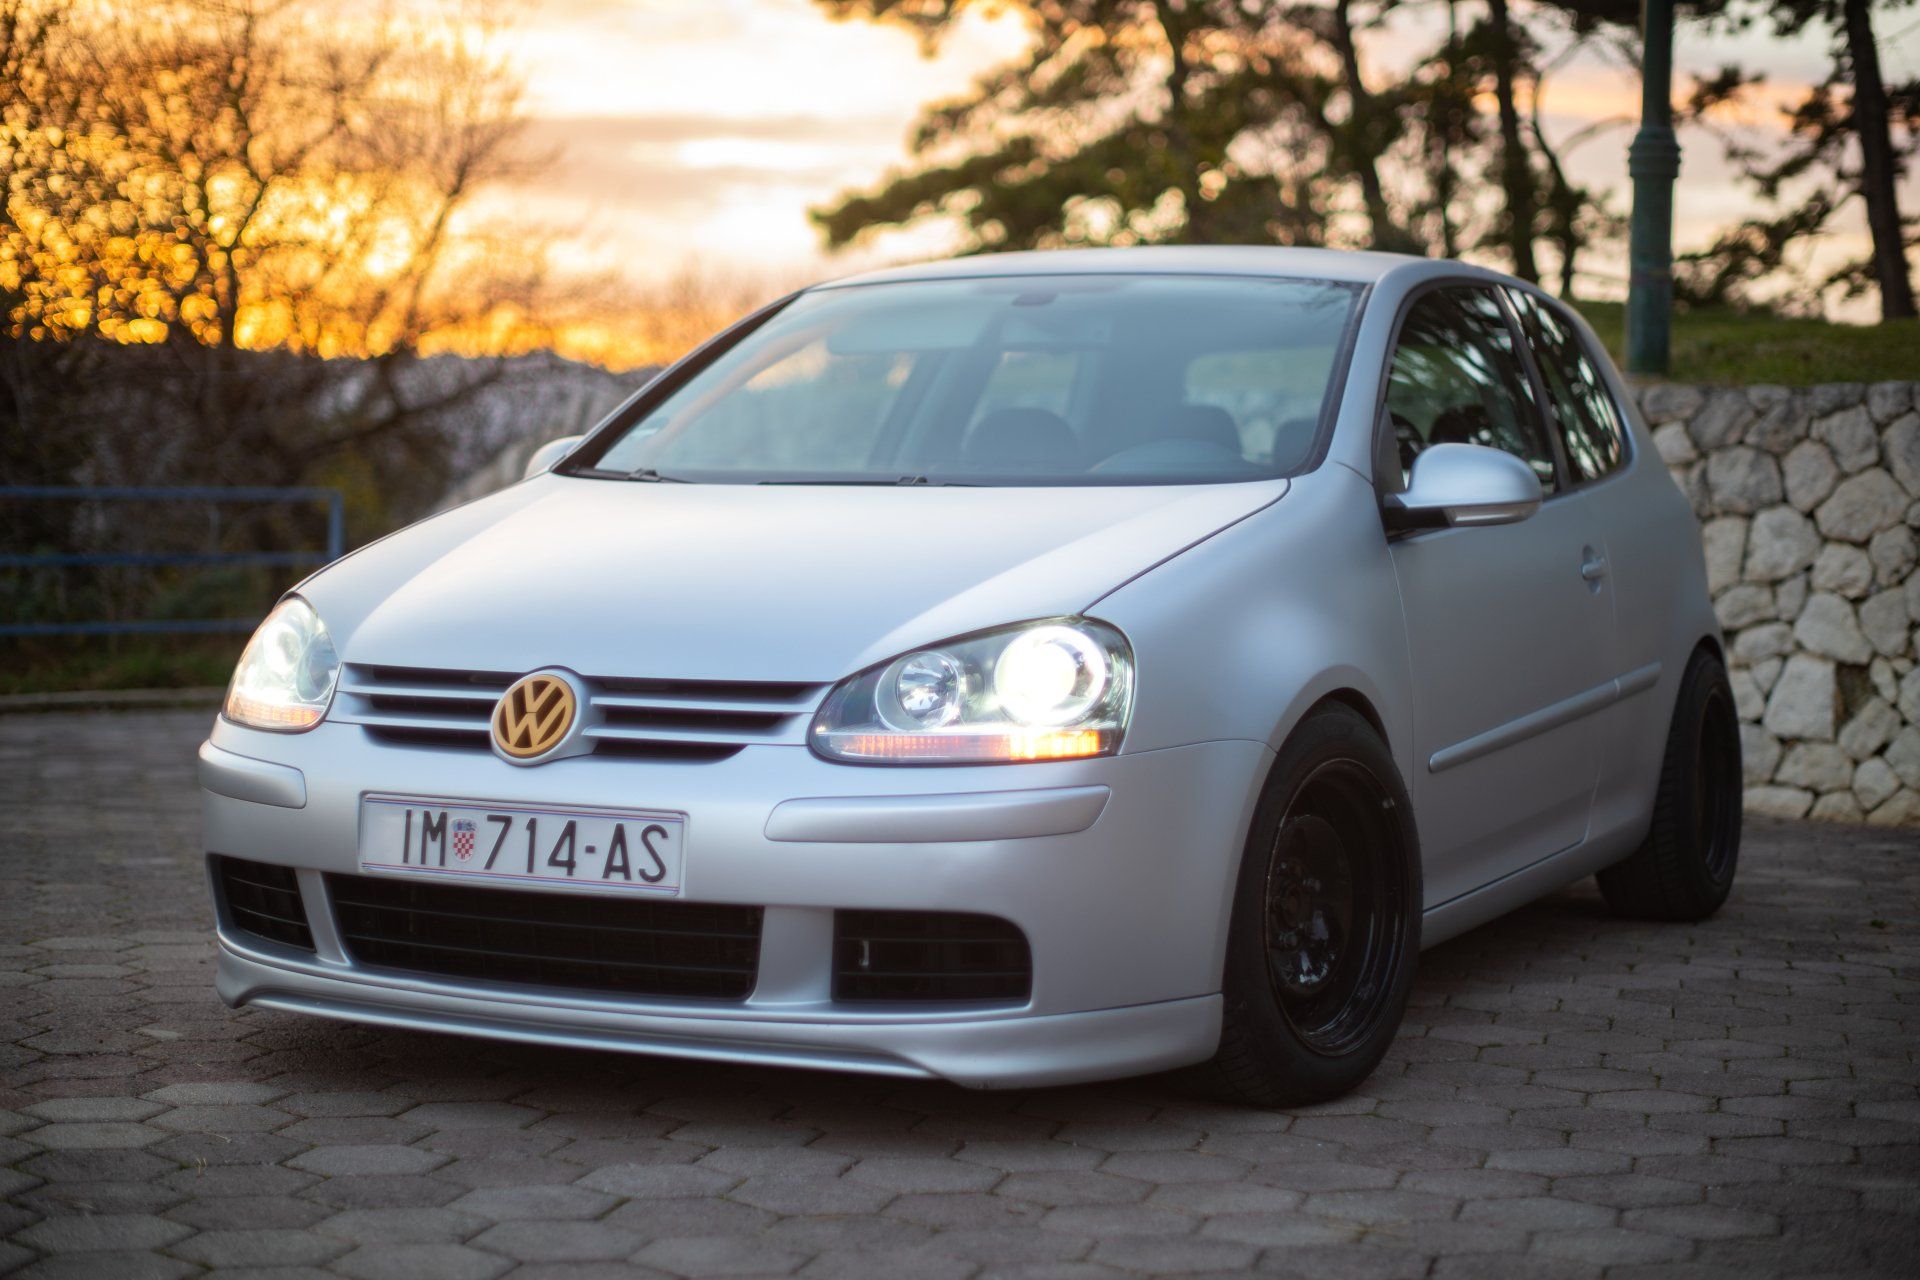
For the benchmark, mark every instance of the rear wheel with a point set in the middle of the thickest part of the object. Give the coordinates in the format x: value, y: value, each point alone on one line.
x: 1326, y: 921
x: 1684, y: 870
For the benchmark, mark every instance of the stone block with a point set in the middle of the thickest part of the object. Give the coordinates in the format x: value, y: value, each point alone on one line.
x: 1887, y: 625
x: 1743, y: 480
x: 1888, y: 400
x: 1805, y: 701
x: 1671, y: 402
x: 1903, y: 810
x: 1759, y: 754
x: 1675, y: 446
x: 1873, y: 782
x: 1790, y: 597
x: 1744, y: 605
x: 1829, y: 627
x: 1893, y: 552
x: 1780, y: 543
x: 1843, y: 570
x: 1778, y: 802
x: 1749, y: 702
x: 1861, y: 507
x: 1851, y: 435
x: 1903, y: 756
x: 1724, y: 543
x: 1841, y: 806
x: 1722, y: 419
x: 1902, y: 444
x: 1817, y: 766
x: 1809, y: 474
x: 1870, y: 729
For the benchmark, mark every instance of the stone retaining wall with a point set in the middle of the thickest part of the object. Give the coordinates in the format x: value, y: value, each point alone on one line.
x: 1809, y: 502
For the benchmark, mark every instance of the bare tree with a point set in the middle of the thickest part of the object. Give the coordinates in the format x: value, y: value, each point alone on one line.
x: 208, y: 180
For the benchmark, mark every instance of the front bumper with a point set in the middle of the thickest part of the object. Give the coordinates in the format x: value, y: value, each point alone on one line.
x: 1119, y: 871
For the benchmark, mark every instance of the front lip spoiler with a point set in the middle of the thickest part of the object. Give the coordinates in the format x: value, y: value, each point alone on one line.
x: 987, y: 1051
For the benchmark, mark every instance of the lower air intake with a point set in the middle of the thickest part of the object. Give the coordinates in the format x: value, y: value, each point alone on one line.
x: 920, y: 957
x: 569, y: 941
x: 263, y: 900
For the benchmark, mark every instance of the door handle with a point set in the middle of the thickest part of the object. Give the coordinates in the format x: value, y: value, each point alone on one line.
x: 1594, y: 566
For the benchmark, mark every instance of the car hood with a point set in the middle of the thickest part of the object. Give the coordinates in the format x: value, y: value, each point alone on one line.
x: 742, y: 582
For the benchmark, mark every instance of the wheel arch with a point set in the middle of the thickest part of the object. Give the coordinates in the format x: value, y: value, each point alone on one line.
x: 1351, y: 688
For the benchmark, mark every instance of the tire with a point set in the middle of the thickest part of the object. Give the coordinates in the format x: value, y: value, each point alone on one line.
x: 1684, y: 869
x: 1325, y: 928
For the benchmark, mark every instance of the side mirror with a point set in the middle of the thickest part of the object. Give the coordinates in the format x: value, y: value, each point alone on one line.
x: 541, y: 460
x: 1458, y: 485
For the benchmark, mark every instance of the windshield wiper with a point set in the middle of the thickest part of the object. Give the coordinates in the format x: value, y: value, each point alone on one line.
x: 654, y: 477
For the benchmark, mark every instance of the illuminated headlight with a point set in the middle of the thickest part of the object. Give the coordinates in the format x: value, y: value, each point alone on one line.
x: 286, y: 676
x: 1059, y: 689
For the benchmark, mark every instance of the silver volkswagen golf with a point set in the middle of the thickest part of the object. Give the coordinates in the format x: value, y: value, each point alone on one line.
x: 1020, y: 670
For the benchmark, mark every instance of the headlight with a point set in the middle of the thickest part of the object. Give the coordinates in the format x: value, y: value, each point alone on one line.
x: 285, y: 678
x: 1059, y: 689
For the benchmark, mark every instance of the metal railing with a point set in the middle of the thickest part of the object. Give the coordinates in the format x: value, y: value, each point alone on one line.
x: 336, y: 544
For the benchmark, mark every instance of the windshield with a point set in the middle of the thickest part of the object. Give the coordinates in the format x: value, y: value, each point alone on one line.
x: 1033, y: 380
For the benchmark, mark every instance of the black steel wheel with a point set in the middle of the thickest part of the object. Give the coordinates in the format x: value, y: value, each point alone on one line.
x: 1684, y: 869
x: 1326, y: 920
x: 1336, y: 905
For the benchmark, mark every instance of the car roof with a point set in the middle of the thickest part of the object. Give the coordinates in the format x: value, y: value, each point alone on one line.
x: 1347, y: 266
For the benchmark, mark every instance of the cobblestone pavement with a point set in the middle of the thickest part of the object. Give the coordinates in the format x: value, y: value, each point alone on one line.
x: 1572, y: 1097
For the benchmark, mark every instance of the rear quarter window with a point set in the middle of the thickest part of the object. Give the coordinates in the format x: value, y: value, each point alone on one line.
x: 1584, y: 411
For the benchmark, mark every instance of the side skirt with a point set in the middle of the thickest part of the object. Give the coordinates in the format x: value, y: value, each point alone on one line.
x: 1455, y: 916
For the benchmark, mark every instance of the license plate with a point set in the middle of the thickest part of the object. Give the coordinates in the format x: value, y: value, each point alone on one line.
x: 601, y: 849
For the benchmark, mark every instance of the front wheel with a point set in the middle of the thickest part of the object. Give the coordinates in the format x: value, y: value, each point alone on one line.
x: 1325, y: 931
x: 1684, y: 869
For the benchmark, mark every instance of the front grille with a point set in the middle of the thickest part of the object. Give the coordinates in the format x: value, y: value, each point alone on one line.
x: 686, y: 720
x: 929, y: 956
x: 626, y: 947
x: 263, y: 900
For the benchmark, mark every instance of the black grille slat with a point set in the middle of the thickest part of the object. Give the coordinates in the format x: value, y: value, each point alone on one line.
x: 643, y: 948
x: 929, y: 957
x: 263, y: 900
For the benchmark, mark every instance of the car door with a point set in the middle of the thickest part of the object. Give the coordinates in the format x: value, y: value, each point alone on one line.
x: 1509, y: 627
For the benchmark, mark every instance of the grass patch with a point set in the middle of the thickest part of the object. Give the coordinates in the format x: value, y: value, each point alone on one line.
x: 117, y: 662
x: 1727, y: 348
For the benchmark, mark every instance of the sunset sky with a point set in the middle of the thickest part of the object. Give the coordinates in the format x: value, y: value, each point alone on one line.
x: 699, y: 131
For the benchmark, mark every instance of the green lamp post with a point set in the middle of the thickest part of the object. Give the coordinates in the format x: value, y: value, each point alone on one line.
x: 1654, y: 162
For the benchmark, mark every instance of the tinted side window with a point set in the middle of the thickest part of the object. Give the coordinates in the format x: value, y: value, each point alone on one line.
x: 1589, y: 420
x: 1457, y: 379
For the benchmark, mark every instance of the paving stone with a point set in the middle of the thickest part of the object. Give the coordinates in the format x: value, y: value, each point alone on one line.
x: 811, y: 1195
x: 1163, y: 1255
x: 382, y: 1191
x: 1611, y: 1248
x: 404, y: 1226
x: 911, y: 1175
x: 107, y: 1266
x: 244, y: 1213
x: 421, y: 1262
x: 540, y: 1203
x: 215, y: 1094
x: 89, y: 1233
x: 718, y: 1256
x: 471, y: 1115
x: 92, y: 1136
x: 333, y: 1161
x: 657, y: 1181
x: 268, y: 1247
x: 91, y: 1110
x: 558, y: 1241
